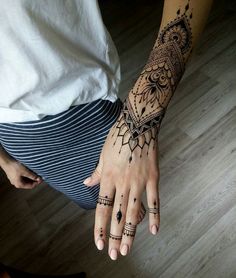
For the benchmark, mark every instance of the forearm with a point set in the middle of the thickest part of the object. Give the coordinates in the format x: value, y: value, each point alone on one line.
x: 182, y: 23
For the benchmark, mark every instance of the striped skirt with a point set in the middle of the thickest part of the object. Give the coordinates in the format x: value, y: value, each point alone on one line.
x: 64, y: 148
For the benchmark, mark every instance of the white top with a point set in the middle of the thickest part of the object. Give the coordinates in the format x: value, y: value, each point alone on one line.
x: 53, y: 54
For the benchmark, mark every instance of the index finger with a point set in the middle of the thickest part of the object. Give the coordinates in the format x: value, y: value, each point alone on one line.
x: 103, y: 212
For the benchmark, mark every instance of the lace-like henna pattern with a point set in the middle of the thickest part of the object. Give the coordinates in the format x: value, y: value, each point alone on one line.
x: 178, y: 31
x: 129, y: 229
x: 104, y: 200
x: 115, y: 237
x: 144, y: 108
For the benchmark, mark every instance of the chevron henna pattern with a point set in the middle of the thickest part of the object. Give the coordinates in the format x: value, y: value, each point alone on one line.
x: 144, y: 108
x: 136, y: 135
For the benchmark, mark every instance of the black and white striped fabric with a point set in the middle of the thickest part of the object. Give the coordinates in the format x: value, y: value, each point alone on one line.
x: 64, y: 148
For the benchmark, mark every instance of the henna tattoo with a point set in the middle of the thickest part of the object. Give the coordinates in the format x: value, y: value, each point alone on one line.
x: 129, y: 229
x: 135, y: 136
x: 101, y: 232
x: 104, y: 200
x: 145, y: 107
x: 119, y: 215
x: 179, y: 31
x: 155, y: 210
x: 115, y: 237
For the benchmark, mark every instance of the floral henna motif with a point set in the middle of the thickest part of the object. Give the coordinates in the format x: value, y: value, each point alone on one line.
x: 178, y: 31
x: 146, y: 104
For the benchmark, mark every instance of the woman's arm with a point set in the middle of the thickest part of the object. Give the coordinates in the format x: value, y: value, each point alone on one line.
x: 128, y: 162
x: 145, y: 106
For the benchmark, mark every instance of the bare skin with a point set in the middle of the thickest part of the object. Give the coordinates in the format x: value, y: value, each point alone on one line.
x: 18, y: 174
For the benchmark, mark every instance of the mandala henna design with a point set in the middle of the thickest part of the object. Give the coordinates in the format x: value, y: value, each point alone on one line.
x: 129, y: 229
x: 104, y: 200
x: 115, y: 237
x: 145, y: 107
x: 178, y: 31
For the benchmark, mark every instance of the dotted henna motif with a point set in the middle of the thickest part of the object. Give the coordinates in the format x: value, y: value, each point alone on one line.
x: 104, y: 200
x: 115, y: 237
x: 129, y: 229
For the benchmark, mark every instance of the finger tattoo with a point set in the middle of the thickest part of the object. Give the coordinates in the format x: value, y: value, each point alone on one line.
x: 105, y: 200
x: 115, y: 237
x: 155, y: 210
x: 129, y: 229
x: 119, y: 215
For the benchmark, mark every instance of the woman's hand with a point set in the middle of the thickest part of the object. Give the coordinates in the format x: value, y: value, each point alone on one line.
x: 18, y: 174
x: 123, y: 176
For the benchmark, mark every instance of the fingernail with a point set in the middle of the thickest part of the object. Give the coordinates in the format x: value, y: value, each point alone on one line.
x: 87, y: 180
x: 100, y: 244
x: 113, y: 254
x: 154, y: 229
x: 124, y: 249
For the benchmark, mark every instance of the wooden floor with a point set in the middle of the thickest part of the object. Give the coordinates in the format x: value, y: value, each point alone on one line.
x: 42, y: 231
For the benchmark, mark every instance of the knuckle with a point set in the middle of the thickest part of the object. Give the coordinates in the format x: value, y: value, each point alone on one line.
x: 154, y: 177
x: 20, y: 184
x: 133, y: 212
x: 101, y: 211
x: 108, y: 173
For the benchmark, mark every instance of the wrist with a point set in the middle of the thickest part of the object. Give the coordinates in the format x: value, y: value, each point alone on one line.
x: 5, y: 158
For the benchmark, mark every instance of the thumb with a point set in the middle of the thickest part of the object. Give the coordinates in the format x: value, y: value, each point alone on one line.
x: 95, y: 178
x: 31, y: 175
